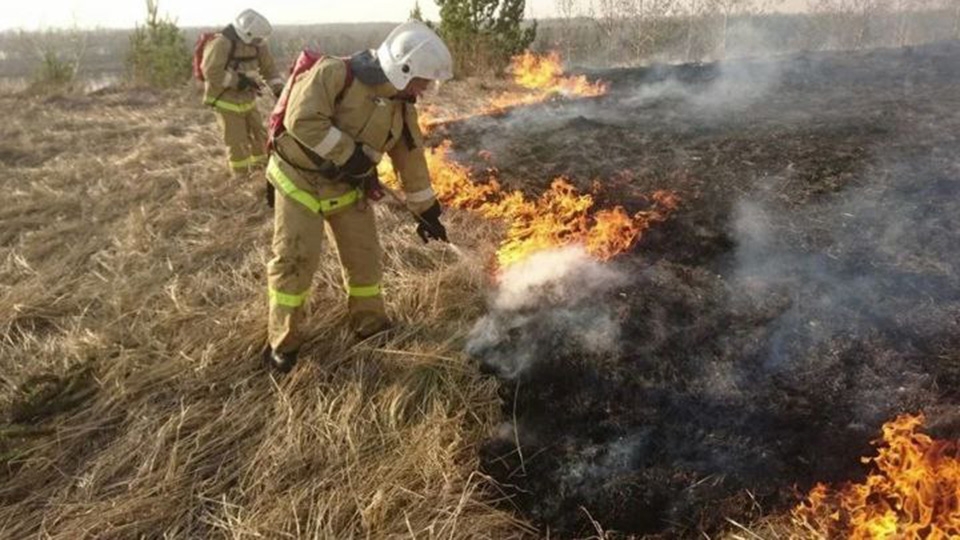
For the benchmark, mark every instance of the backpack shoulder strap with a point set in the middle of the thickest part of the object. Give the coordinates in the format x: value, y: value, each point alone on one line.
x: 348, y: 80
x: 233, y: 52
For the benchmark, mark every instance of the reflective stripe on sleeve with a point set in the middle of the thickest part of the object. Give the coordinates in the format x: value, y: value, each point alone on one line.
x: 329, y: 142
x: 423, y: 195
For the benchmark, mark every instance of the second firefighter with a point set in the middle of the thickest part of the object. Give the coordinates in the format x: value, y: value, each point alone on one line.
x: 236, y: 66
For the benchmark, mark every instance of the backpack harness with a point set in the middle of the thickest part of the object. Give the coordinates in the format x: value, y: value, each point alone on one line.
x: 232, y: 59
x: 275, y: 127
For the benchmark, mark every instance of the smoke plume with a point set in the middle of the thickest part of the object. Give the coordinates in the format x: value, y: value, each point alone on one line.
x: 552, y: 301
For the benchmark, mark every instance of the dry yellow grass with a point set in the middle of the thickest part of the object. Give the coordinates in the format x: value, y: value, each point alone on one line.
x: 132, y: 312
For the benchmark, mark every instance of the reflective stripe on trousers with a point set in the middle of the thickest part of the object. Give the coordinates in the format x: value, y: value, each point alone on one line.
x: 291, y: 300
x: 231, y: 107
x: 363, y: 291
x: 247, y: 163
x: 295, y: 300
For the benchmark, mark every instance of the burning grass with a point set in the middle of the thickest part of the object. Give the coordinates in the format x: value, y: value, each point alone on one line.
x: 560, y: 216
x: 536, y: 78
x: 542, y: 77
x: 913, y: 491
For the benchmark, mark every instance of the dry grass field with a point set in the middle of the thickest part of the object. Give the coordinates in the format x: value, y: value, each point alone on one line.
x: 799, y: 292
x: 132, y: 312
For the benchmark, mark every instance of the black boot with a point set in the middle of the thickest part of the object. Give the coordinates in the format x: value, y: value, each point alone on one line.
x: 280, y: 361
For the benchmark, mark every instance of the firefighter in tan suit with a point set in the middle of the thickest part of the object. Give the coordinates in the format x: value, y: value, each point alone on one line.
x: 236, y: 63
x: 341, y: 116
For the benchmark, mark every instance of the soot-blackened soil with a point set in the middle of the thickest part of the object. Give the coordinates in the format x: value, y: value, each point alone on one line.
x: 805, y: 292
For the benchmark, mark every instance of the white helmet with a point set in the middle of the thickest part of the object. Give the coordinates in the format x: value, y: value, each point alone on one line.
x: 251, y: 25
x: 414, y: 50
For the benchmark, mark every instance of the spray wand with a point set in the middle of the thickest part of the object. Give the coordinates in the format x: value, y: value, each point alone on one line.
x: 402, y: 201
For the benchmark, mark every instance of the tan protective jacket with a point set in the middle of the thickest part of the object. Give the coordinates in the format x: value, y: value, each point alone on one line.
x: 364, y: 114
x: 220, y: 73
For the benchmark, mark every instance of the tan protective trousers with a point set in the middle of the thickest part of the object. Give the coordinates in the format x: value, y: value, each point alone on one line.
x: 297, y: 245
x: 246, y: 139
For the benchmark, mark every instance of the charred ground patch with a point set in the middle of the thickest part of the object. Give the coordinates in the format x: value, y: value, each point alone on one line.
x: 805, y: 293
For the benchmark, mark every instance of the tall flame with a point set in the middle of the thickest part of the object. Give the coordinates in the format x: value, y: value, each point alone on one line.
x: 542, y: 77
x: 914, y: 491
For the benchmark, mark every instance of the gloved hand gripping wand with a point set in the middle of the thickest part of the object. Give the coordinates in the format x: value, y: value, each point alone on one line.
x: 402, y: 201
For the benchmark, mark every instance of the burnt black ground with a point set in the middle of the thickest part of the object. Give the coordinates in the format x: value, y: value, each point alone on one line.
x: 806, y: 292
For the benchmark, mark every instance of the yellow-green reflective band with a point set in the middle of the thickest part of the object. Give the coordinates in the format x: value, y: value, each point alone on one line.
x: 232, y: 107
x: 339, y: 202
x: 366, y: 291
x: 257, y: 159
x: 242, y: 163
x: 289, y: 188
x: 315, y: 205
x: 287, y: 299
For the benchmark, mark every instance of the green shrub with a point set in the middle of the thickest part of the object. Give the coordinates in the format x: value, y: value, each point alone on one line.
x: 158, y: 54
x: 54, y: 72
x: 484, y: 34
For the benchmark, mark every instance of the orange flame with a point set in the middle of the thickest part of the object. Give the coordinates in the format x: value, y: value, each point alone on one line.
x: 560, y: 216
x: 913, y: 493
x: 542, y: 77
x: 545, y: 73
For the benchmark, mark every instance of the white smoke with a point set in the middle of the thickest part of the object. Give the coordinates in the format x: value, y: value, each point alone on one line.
x: 739, y: 85
x: 566, y: 276
x: 736, y: 85
x: 742, y: 78
x: 552, y: 300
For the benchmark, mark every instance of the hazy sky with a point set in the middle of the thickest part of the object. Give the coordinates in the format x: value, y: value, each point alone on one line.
x: 34, y: 14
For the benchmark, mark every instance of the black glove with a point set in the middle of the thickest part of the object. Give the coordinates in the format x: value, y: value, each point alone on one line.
x: 429, y: 226
x: 244, y: 82
x: 358, y: 168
